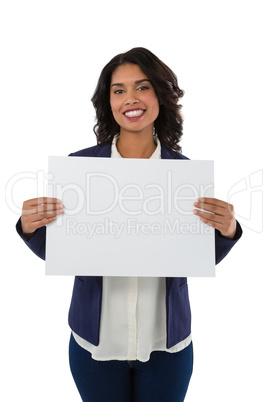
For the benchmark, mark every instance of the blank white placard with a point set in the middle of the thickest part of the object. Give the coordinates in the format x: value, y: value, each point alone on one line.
x: 129, y: 217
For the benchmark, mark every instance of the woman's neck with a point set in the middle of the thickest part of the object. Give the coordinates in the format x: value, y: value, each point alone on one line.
x: 135, y: 145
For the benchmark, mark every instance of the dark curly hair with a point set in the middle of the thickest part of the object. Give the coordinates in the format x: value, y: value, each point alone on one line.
x: 168, y: 125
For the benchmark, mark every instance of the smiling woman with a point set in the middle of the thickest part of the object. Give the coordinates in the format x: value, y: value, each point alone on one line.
x: 135, y: 77
x: 131, y: 336
x: 135, y: 108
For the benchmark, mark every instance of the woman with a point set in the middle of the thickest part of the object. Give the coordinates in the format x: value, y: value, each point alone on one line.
x: 131, y: 337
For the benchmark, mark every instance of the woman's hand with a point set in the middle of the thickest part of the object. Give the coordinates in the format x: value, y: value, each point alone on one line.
x: 38, y: 212
x: 221, y: 218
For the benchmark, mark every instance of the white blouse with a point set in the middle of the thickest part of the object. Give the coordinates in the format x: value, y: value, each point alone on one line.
x: 133, y: 313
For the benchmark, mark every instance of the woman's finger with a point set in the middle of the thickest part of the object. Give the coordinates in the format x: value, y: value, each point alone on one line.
x: 42, y: 208
x: 34, y: 202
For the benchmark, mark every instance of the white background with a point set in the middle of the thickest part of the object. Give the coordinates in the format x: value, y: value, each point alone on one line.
x: 51, y: 56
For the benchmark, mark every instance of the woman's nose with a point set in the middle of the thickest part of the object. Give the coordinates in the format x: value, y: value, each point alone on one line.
x: 131, y: 99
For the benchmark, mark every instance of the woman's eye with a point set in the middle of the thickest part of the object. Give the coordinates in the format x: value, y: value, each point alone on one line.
x: 118, y: 91
x: 143, y: 88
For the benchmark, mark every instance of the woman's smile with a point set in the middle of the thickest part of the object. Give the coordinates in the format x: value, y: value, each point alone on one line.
x: 134, y: 114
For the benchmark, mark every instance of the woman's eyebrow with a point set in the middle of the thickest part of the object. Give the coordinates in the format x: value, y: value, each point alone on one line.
x: 119, y: 84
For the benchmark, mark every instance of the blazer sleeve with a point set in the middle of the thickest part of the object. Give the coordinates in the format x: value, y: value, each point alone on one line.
x: 37, y: 243
x: 224, y: 245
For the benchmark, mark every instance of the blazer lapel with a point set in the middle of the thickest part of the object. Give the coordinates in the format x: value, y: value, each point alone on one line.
x: 103, y: 151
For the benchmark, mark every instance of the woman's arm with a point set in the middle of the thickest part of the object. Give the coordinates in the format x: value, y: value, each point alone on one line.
x: 36, y: 214
x: 220, y: 215
x: 39, y: 212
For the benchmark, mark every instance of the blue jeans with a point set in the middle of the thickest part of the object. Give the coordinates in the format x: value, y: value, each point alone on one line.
x: 164, y: 378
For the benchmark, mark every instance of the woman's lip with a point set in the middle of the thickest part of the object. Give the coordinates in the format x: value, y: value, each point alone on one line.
x: 134, y: 117
x: 133, y: 110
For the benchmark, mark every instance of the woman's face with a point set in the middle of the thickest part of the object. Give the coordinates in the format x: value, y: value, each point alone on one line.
x: 133, y: 100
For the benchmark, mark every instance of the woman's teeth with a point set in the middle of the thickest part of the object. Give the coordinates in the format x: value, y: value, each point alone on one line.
x: 134, y: 113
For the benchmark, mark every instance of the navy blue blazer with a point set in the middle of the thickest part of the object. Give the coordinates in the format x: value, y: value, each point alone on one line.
x: 85, y: 308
